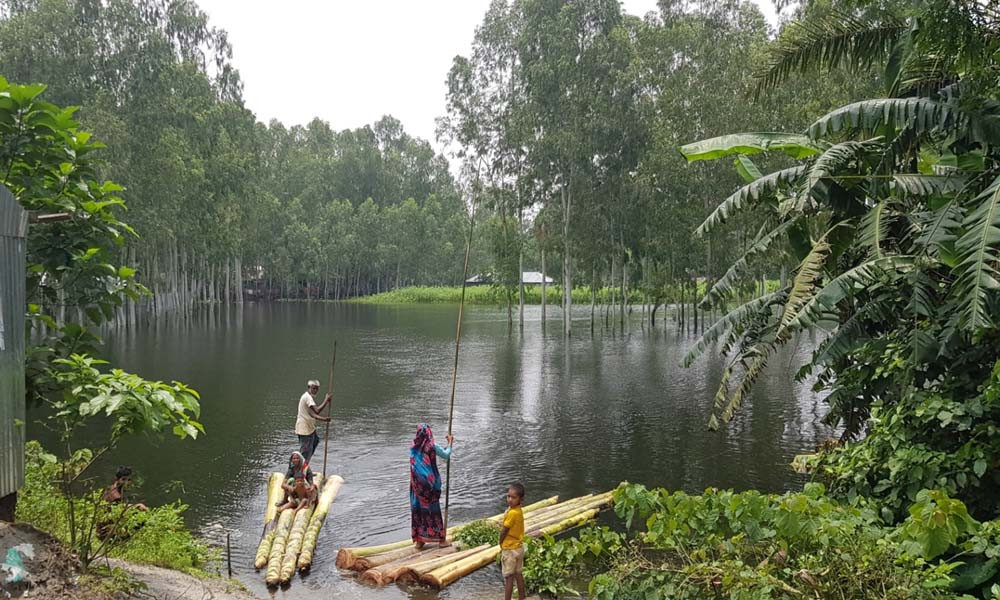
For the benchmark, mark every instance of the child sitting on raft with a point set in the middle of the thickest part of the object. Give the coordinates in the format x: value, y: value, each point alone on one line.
x: 300, y: 492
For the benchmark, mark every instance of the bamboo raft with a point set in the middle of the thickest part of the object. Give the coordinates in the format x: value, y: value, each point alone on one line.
x: 289, y: 541
x: 440, y: 567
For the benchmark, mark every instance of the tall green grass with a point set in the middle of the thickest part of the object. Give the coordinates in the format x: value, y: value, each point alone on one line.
x: 488, y: 295
x: 485, y: 295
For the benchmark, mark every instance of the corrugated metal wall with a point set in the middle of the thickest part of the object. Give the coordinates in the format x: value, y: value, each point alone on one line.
x: 13, y: 229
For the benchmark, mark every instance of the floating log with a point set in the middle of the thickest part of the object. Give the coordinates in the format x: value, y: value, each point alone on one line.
x: 351, y: 558
x: 316, y: 522
x: 274, y: 495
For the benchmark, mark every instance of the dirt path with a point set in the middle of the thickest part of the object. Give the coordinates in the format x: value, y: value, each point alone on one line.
x: 34, y: 565
x: 166, y: 584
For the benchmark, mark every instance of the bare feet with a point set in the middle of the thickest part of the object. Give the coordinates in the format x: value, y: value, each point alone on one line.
x: 419, y: 545
x: 444, y: 544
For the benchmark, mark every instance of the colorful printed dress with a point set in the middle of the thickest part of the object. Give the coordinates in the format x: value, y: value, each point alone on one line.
x: 426, y: 524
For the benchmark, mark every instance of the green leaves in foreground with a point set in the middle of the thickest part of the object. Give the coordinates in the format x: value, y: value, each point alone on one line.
x: 750, y: 545
x: 132, y: 404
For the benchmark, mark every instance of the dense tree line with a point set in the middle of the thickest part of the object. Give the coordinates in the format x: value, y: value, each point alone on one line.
x: 220, y: 202
x: 566, y: 117
x: 572, y: 113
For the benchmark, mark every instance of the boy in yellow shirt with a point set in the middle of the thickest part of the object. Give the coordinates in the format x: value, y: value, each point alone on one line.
x: 512, y: 542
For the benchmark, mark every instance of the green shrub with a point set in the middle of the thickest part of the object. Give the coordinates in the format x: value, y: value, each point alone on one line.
x: 754, y: 546
x: 156, y: 537
x: 480, y: 532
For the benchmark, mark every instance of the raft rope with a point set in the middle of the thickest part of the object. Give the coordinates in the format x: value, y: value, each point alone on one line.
x: 329, y: 408
x: 454, y: 373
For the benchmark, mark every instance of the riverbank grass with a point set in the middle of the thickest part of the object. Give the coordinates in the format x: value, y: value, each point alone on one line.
x: 156, y: 537
x: 486, y: 295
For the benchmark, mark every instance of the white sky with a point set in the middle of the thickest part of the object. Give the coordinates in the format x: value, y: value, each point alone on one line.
x: 350, y: 62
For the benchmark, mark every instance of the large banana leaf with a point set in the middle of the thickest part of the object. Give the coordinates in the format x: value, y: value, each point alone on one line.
x: 978, y: 256
x: 792, y: 144
x: 725, y: 283
x: 921, y: 115
x: 860, y: 277
x: 754, y: 191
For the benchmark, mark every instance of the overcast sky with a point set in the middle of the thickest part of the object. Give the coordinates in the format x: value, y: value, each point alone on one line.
x: 351, y: 62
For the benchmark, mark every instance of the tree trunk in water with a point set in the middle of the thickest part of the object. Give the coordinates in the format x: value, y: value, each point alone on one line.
x: 520, y: 262
x: 544, y: 281
x: 567, y: 265
x: 239, y: 279
x: 624, y: 288
x: 694, y: 306
x: 593, y: 296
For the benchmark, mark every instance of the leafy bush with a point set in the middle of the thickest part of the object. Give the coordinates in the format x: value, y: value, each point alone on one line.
x: 156, y: 537
x: 480, y: 532
x: 550, y: 565
x: 944, y: 435
x: 753, y: 546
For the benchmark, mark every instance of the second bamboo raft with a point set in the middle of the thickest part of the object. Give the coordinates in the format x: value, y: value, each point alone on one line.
x: 440, y: 567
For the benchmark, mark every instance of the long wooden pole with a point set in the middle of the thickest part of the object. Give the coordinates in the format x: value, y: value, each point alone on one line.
x: 454, y: 373
x: 329, y: 408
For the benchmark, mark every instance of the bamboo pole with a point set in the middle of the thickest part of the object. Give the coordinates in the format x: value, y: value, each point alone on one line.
x: 329, y: 408
x: 380, y: 575
x: 278, y: 546
x: 274, y: 495
x: 454, y: 373
x: 413, y: 571
x: 348, y: 557
x: 330, y: 489
x: 294, y: 543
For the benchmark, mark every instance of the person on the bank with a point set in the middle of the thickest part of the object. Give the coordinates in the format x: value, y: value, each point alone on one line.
x: 512, y: 543
x: 309, y: 413
x: 110, y: 524
x: 300, y: 491
x: 115, y: 494
x: 426, y: 524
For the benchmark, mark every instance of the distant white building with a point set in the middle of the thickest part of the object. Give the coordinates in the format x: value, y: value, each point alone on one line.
x: 527, y: 278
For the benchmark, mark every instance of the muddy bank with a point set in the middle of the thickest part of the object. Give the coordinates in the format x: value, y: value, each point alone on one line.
x: 35, y: 565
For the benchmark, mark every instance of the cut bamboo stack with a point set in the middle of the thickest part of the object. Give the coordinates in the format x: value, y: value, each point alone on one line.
x: 439, y: 567
x: 290, y: 543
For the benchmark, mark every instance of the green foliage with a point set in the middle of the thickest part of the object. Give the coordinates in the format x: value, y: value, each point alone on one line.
x: 551, y: 566
x: 478, y: 533
x: 894, y: 227
x: 157, y: 536
x: 130, y: 404
x: 127, y: 405
x: 48, y: 164
x: 934, y: 437
x: 755, y: 546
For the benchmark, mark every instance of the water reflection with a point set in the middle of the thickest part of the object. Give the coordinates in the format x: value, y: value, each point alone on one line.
x: 563, y: 416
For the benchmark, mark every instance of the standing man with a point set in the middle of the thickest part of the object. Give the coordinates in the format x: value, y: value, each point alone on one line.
x: 309, y: 413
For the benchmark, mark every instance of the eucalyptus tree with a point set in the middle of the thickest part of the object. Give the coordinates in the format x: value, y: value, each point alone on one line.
x: 562, y: 49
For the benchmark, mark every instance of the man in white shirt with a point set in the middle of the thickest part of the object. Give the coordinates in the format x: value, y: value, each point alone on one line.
x: 309, y: 413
